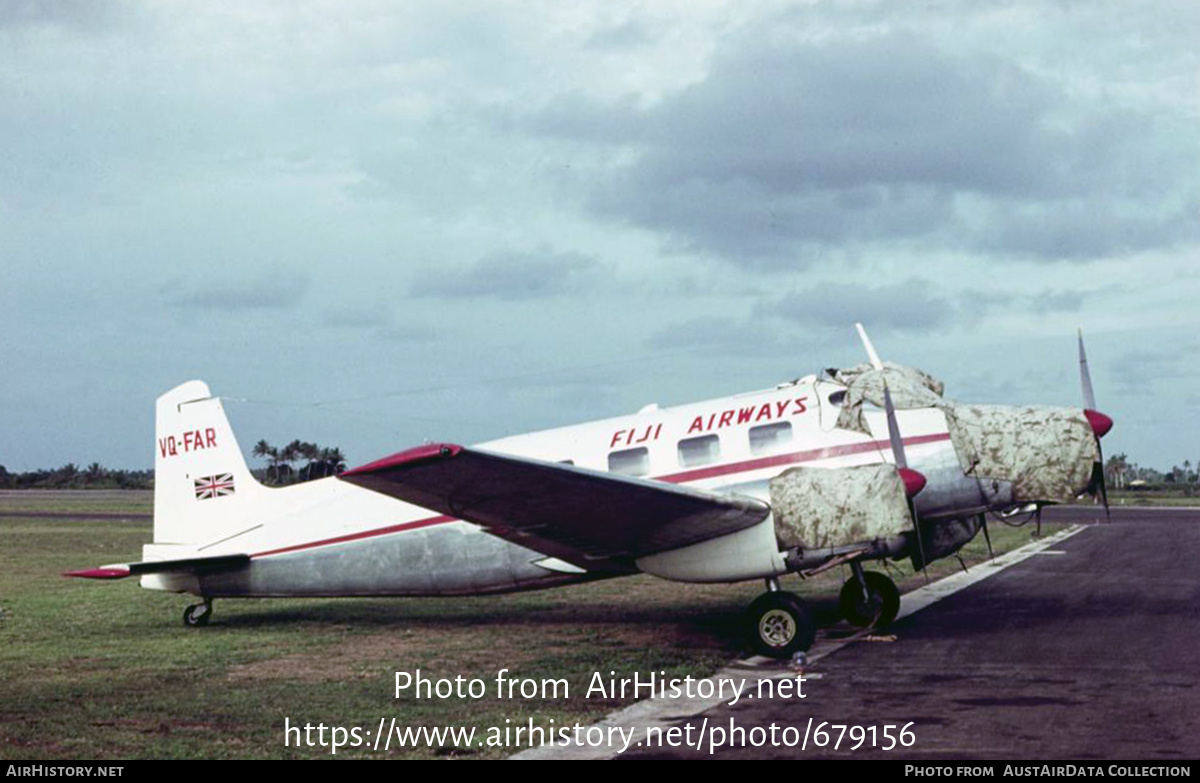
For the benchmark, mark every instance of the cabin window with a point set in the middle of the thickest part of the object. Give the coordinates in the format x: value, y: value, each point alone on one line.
x: 631, y: 462
x: 702, y: 450
x: 770, y: 438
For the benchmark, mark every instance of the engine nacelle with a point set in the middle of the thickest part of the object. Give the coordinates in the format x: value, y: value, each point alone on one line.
x: 752, y: 553
x: 1046, y: 453
x: 818, y: 508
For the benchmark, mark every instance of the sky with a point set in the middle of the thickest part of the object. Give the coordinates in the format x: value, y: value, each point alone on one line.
x: 374, y: 224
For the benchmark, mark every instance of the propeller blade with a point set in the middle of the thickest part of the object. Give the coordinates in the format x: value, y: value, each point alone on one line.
x: 1103, y: 481
x: 866, y: 341
x: 1085, y: 377
x: 913, y: 480
x: 1100, y: 424
x: 894, y: 429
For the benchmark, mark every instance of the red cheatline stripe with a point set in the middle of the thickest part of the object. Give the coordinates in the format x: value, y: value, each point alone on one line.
x: 381, y: 531
x: 795, y: 457
x: 673, y: 478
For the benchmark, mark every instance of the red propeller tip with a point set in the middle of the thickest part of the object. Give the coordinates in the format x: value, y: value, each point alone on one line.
x: 1101, y: 424
x: 914, y: 481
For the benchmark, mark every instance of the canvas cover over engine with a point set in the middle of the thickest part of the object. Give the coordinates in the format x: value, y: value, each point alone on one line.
x: 1047, y: 453
x: 816, y: 507
x: 908, y: 386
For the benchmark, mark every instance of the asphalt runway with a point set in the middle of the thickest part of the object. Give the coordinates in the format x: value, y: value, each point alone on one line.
x: 1085, y: 651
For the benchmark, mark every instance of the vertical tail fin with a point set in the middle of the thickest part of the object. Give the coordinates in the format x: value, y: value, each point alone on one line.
x: 202, y: 487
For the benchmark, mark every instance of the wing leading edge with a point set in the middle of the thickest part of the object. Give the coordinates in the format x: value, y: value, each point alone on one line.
x: 585, y: 517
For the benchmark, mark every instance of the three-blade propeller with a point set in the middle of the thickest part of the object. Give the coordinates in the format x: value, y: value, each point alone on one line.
x: 914, y: 481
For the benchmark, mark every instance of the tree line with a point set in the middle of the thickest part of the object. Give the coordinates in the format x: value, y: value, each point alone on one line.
x: 1121, y: 474
x: 314, y: 462
x: 297, y: 461
x: 71, y: 476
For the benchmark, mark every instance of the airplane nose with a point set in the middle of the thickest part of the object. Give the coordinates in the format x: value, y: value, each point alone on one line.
x: 1101, y: 424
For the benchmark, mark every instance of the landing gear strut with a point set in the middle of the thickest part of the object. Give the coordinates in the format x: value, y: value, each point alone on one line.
x: 780, y: 624
x: 197, y: 615
x: 869, y: 598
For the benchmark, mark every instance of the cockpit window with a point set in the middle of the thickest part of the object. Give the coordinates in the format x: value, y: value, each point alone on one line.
x: 837, y: 398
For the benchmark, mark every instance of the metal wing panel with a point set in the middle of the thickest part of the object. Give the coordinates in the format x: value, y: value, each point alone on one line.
x: 580, y: 515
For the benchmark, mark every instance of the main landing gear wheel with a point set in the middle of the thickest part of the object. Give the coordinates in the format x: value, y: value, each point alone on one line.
x: 780, y: 625
x: 878, y: 606
x: 197, y: 615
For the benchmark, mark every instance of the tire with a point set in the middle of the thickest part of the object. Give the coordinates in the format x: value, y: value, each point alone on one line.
x: 882, y: 607
x: 197, y: 615
x: 780, y: 625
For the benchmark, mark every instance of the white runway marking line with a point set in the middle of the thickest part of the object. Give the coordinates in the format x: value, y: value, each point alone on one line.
x: 924, y: 596
x: 662, y: 713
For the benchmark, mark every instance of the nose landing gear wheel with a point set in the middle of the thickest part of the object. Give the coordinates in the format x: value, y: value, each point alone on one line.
x: 780, y: 625
x: 878, y: 606
x: 197, y: 615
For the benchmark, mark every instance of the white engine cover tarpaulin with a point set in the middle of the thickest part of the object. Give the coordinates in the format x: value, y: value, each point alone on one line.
x: 817, y: 507
x: 1047, y: 453
x: 909, y: 387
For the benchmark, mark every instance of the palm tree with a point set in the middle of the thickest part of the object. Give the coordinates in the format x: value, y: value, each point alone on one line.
x: 269, y: 452
x: 95, y: 472
x: 334, y: 459
x: 1116, y: 467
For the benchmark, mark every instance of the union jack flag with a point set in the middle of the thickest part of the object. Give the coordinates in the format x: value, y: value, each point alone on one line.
x: 214, y: 486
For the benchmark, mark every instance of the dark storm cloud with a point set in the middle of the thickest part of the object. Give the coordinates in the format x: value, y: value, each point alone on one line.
x: 276, y: 289
x: 789, y: 143
x: 529, y: 275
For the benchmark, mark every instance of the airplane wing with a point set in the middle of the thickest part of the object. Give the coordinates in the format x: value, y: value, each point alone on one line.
x: 585, y: 517
x: 191, y: 565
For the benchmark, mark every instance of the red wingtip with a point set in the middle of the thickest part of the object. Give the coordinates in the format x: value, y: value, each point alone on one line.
x: 99, y: 573
x: 914, y: 481
x: 1101, y: 424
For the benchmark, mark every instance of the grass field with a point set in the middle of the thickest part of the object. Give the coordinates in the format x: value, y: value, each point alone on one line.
x: 1156, y: 498
x: 107, y: 670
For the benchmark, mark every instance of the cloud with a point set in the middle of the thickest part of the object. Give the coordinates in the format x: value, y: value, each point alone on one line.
x: 1136, y: 370
x: 377, y: 321
x: 527, y: 275
x: 64, y: 13
x: 908, y: 306
x: 721, y: 335
x: 275, y: 289
x: 1057, y: 301
x: 625, y: 35
x: 792, y: 142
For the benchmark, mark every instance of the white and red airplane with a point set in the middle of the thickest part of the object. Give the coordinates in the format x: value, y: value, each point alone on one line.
x: 809, y: 474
